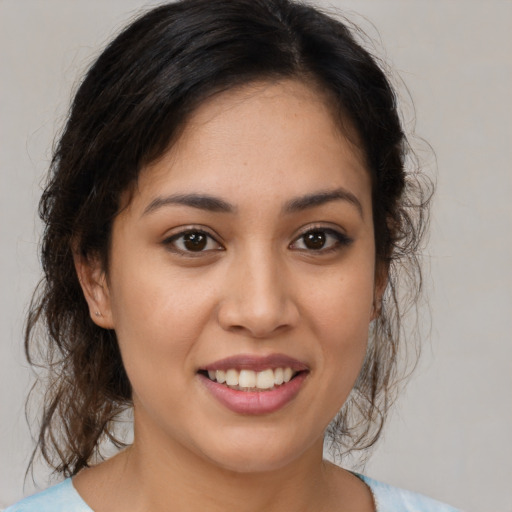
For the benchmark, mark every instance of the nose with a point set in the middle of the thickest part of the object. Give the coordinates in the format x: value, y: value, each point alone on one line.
x: 258, y: 297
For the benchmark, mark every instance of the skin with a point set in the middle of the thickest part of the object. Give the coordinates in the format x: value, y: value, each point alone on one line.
x: 256, y: 288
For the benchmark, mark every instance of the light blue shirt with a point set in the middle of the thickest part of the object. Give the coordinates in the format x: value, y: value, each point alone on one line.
x: 64, y: 498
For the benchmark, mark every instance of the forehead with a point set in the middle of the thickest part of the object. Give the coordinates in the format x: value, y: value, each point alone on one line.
x: 266, y: 139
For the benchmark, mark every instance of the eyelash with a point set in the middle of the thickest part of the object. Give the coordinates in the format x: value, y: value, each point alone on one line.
x: 171, y: 241
x: 340, y: 240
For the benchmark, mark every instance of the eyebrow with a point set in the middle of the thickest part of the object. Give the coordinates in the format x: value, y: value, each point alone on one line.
x: 216, y: 204
x: 200, y: 201
x: 320, y: 198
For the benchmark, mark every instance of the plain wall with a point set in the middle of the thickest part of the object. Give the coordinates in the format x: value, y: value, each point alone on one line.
x: 450, y: 434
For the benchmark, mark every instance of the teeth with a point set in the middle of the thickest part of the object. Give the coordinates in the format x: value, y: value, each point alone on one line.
x: 232, y: 378
x: 249, y: 379
x: 265, y: 379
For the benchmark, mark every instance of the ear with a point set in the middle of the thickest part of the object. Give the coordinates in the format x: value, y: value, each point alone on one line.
x: 93, y: 281
x: 381, y: 281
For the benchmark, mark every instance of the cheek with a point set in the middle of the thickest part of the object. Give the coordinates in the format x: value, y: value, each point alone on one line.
x: 157, y: 317
x: 152, y: 295
x: 341, y: 305
x: 340, y: 313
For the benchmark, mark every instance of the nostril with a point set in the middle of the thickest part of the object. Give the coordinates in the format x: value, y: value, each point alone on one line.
x: 260, y: 311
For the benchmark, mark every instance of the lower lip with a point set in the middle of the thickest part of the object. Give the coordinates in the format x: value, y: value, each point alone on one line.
x: 255, y: 402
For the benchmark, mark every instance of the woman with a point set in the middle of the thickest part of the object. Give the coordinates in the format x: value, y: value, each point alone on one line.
x: 227, y: 212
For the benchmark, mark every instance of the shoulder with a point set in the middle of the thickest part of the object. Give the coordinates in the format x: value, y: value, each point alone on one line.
x: 59, y: 498
x: 392, y: 499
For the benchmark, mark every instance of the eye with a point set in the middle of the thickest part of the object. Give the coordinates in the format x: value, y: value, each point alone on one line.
x: 192, y: 241
x: 321, y: 240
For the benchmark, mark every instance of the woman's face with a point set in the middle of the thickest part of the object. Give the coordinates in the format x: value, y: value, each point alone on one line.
x: 246, y: 253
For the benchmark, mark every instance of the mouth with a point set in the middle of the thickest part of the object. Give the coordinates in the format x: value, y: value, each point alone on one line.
x: 254, y: 385
x: 250, y: 380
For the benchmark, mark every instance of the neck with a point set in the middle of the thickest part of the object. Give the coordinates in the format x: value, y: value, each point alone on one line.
x: 158, y: 471
x: 190, y: 482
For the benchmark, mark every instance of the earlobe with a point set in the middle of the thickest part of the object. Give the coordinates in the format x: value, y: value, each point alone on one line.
x: 376, y: 308
x: 92, y: 278
x: 381, y: 281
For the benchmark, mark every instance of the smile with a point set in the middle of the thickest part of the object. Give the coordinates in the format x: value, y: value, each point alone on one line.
x: 249, y: 380
x: 253, y: 385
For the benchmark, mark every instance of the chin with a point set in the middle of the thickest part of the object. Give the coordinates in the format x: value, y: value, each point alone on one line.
x: 253, y: 464
x: 264, y: 455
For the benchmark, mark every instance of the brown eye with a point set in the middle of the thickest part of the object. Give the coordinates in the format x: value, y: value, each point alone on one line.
x: 321, y: 241
x: 192, y: 241
x: 195, y: 241
x: 315, y: 240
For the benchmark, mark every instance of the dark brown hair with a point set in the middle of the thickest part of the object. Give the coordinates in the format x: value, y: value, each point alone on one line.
x: 130, y: 107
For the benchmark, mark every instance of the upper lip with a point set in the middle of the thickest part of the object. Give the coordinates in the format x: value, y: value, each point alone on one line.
x: 256, y: 363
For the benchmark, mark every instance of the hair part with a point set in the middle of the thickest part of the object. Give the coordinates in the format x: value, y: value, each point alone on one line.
x: 131, y: 106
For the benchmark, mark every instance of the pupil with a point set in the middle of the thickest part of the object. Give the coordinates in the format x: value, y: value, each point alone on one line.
x: 195, y: 241
x: 314, y: 239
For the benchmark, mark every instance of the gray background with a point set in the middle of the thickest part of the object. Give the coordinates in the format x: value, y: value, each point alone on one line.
x: 450, y: 434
